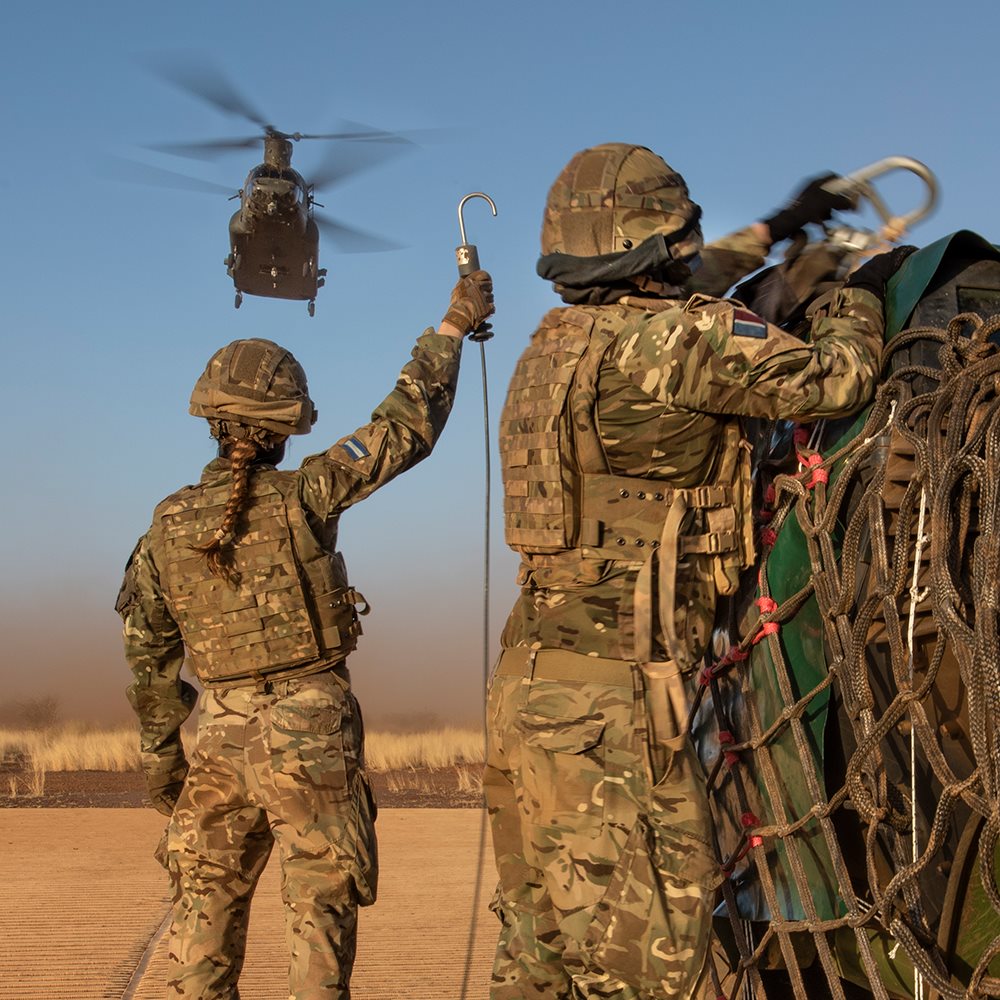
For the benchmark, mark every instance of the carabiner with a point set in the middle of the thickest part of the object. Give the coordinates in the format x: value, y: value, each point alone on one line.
x: 858, y: 183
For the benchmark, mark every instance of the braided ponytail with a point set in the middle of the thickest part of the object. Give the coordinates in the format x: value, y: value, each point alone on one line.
x: 241, y: 453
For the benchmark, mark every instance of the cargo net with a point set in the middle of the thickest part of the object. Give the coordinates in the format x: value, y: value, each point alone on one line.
x: 850, y: 738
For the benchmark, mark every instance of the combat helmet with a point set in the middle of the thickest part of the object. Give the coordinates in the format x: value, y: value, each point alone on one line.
x: 613, y: 197
x: 254, y: 389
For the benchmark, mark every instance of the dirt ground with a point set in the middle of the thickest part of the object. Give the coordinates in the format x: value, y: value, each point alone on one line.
x: 85, y: 908
x: 424, y: 788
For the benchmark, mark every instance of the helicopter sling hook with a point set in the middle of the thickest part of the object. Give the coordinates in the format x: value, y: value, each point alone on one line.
x: 858, y: 184
x: 467, y: 258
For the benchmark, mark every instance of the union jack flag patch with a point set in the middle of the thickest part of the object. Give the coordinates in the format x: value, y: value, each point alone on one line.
x: 748, y: 324
x: 354, y: 448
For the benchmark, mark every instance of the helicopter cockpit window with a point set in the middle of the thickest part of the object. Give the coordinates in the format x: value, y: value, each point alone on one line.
x: 264, y: 172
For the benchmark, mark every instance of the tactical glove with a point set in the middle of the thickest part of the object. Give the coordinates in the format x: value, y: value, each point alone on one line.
x: 471, y: 302
x: 164, y: 781
x: 874, y: 275
x: 812, y: 204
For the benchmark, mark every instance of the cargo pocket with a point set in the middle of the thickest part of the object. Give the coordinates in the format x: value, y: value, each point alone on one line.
x: 562, y: 771
x: 651, y: 929
x: 307, y: 743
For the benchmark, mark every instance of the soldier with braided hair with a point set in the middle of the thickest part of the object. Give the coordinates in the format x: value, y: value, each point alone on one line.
x: 239, y: 576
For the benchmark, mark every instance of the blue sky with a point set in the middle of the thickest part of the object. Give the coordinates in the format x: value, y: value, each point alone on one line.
x: 114, y: 294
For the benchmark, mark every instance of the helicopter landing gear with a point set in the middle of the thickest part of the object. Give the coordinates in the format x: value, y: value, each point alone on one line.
x: 239, y: 300
x: 232, y: 262
x: 312, y: 307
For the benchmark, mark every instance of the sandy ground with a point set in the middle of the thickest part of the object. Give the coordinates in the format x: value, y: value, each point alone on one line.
x: 84, y: 908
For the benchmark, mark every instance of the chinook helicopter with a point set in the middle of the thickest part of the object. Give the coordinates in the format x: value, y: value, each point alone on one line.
x: 274, y: 234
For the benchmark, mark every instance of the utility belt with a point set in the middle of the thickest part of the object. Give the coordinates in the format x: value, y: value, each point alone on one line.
x: 662, y: 682
x: 564, y: 665
x: 264, y: 678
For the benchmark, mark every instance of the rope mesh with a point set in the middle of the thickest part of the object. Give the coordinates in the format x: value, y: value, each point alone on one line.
x: 900, y: 526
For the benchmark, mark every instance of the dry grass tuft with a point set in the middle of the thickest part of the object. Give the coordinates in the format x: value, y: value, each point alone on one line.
x: 73, y: 748
x: 442, y: 748
x: 76, y: 748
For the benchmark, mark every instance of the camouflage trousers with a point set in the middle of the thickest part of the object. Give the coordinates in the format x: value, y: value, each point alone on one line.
x: 277, y: 763
x: 602, y: 839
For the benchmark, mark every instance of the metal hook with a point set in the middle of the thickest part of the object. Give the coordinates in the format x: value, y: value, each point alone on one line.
x: 461, y: 205
x: 858, y: 184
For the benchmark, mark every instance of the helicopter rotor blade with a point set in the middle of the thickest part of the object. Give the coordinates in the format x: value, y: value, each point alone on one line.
x: 345, y: 161
x: 352, y: 131
x: 350, y: 240
x: 207, y: 149
x: 197, y: 75
x: 134, y: 172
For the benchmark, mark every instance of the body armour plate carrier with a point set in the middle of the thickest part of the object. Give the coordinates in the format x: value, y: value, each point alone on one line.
x: 563, y: 507
x: 290, y: 608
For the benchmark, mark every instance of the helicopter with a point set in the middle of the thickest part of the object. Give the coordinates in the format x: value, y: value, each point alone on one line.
x: 274, y: 235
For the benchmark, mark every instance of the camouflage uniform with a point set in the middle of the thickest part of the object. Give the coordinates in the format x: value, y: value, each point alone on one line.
x: 279, y: 755
x: 601, y: 828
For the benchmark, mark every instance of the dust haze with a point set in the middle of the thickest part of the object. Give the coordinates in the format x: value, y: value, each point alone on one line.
x: 406, y: 673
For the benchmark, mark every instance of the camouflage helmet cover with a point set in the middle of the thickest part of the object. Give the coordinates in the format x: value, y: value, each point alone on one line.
x: 611, y: 198
x: 254, y: 384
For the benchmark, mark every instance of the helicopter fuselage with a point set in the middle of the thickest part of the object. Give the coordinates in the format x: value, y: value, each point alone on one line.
x: 273, y: 239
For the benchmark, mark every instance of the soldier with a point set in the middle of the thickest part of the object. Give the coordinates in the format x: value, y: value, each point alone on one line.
x: 240, y: 574
x: 627, y: 484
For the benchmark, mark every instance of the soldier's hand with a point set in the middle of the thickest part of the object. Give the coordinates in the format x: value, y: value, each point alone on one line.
x: 471, y: 302
x: 812, y: 203
x: 165, y: 798
x: 874, y: 275
x: 164, y: 782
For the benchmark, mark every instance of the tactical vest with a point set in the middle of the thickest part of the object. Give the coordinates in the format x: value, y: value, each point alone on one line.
x: 291, y: 607
x: 564, y: 509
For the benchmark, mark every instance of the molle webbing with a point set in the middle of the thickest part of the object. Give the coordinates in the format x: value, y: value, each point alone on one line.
x: 622, y: 517
x: 543, y: 419
x: 290, y: 605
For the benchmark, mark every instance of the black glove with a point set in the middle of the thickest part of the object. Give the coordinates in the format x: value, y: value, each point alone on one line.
x: 471, y: 302
x: 811, y: 204
x: 874, y: 274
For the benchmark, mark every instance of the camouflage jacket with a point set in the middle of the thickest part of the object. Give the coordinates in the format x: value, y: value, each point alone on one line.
x: 726, y: 261
x: 402, y: 431
x: 667, y: 388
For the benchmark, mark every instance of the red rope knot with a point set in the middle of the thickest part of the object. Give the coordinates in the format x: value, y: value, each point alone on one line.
x: 726, y: 739
x: 768, y: 628
x: 814, y: 462
x: 769, y: 495
x: 767, y: 605
x: 748, y: 821
x: 707, y: 675
x: 768, y: 538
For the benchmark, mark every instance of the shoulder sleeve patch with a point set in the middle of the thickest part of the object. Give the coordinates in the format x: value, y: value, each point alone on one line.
x: 360, y: 451
x: 748, y: 324
x: 354, y: 448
